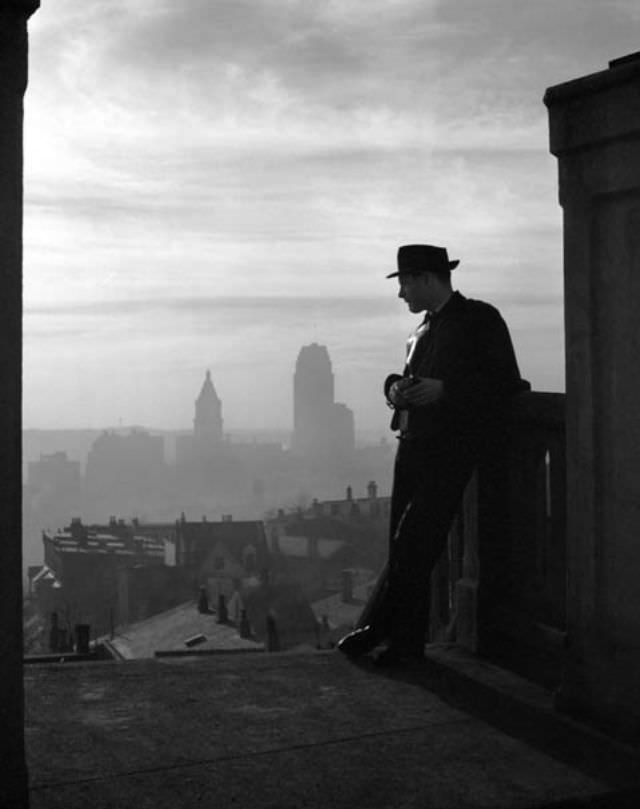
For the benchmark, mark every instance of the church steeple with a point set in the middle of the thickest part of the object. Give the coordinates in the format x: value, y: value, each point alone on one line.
x: 207, y: 424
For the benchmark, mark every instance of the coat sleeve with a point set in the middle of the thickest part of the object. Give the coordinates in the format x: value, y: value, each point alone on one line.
x: 477, y: 364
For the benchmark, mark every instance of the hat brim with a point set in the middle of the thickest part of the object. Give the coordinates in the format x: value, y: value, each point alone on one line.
x: 407, y: 271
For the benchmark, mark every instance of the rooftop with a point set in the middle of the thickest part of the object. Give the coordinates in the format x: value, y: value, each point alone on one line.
x: 168, y: 631
x: 342, y: 614
x: 298, y: 546
x: 307, y: 730
x: 98, y: 542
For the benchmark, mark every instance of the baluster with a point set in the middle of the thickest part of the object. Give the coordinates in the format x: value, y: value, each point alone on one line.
x: 557, y: 586
x: 466, y: 588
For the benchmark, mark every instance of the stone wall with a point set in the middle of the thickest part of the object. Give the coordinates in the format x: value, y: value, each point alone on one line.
x: 595, y: 134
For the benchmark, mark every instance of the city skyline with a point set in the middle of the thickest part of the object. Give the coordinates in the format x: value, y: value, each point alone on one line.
x: 207, y: 426
x: 215, y: 185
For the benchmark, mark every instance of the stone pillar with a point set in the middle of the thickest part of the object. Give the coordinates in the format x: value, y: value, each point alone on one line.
x: 595, y: 134
x: 13, y: 79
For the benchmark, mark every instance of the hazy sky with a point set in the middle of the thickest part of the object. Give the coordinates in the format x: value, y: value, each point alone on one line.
x: 215, y: 183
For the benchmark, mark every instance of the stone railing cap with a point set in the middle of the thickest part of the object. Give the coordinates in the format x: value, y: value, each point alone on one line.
x: 596, y: 110
x: 621, y: 70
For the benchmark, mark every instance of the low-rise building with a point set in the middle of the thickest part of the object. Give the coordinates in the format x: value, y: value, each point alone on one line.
x: 222, y: 555
x: 315, y: 544
x: 79, y: 578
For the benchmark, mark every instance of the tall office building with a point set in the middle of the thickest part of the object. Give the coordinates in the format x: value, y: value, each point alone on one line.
x: 204, y: 443
x: 321, y: 426
x: 207, y: 424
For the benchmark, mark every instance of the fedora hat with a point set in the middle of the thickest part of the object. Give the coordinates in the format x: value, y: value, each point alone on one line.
x: 418, y: 258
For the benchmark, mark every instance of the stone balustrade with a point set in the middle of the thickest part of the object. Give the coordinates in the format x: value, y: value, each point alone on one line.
x: 501, y: 587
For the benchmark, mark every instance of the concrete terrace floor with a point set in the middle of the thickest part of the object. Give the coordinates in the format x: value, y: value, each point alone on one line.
x: 308, y: 729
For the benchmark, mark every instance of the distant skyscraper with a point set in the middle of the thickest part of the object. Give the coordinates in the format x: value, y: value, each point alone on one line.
x: 204, y: 444
x: 313, y: 391
x: 320, y: 425
x: 207, y: 424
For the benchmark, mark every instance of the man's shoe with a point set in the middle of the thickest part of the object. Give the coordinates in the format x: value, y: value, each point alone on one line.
x: 359, y: 642
x: 397, y: 657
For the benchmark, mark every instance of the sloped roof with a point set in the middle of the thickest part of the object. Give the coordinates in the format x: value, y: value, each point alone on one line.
x: 45, y: 574
x: 235, y: 534
x: 168, y: 631
x: 97, y: 541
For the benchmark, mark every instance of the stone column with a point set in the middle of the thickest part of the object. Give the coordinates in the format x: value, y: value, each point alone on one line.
x: 13, y: 79
x: 595, y: 134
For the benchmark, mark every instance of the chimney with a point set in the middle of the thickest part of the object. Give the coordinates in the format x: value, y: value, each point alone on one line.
x: 273, y: 642
x: 203, y: 601
x: 223, y: 615
x: 245, y: 628
x: 347, y: 586
x: 374, y: 505
x: 312, y: 547
x: 78, y: 532
x: 349, y: 493
x: 54, y: 633
x: 83, y: 633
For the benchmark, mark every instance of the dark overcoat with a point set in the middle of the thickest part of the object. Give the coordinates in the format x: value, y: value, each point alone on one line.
x: 467, y: 346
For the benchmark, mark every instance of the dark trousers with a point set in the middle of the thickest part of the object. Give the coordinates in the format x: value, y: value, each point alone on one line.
x: 429, y: 480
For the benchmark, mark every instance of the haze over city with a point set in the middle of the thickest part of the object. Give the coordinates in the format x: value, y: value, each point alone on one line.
x: 214, y: 185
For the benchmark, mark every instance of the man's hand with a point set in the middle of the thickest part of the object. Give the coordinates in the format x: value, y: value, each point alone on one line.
x: 396, y: 392
x: 423, y: 391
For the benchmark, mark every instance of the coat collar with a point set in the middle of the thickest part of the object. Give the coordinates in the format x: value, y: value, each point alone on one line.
x: 453, y: 304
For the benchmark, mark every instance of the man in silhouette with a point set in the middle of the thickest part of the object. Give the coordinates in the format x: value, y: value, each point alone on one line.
x: 459, y: 373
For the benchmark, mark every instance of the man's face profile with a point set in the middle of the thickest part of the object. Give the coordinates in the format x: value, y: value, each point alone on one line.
x: 414, y: 290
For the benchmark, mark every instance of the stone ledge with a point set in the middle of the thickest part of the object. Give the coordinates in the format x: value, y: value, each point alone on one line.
x: 527, y: 710
x: 620, y: 71
x: 289, y: 730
